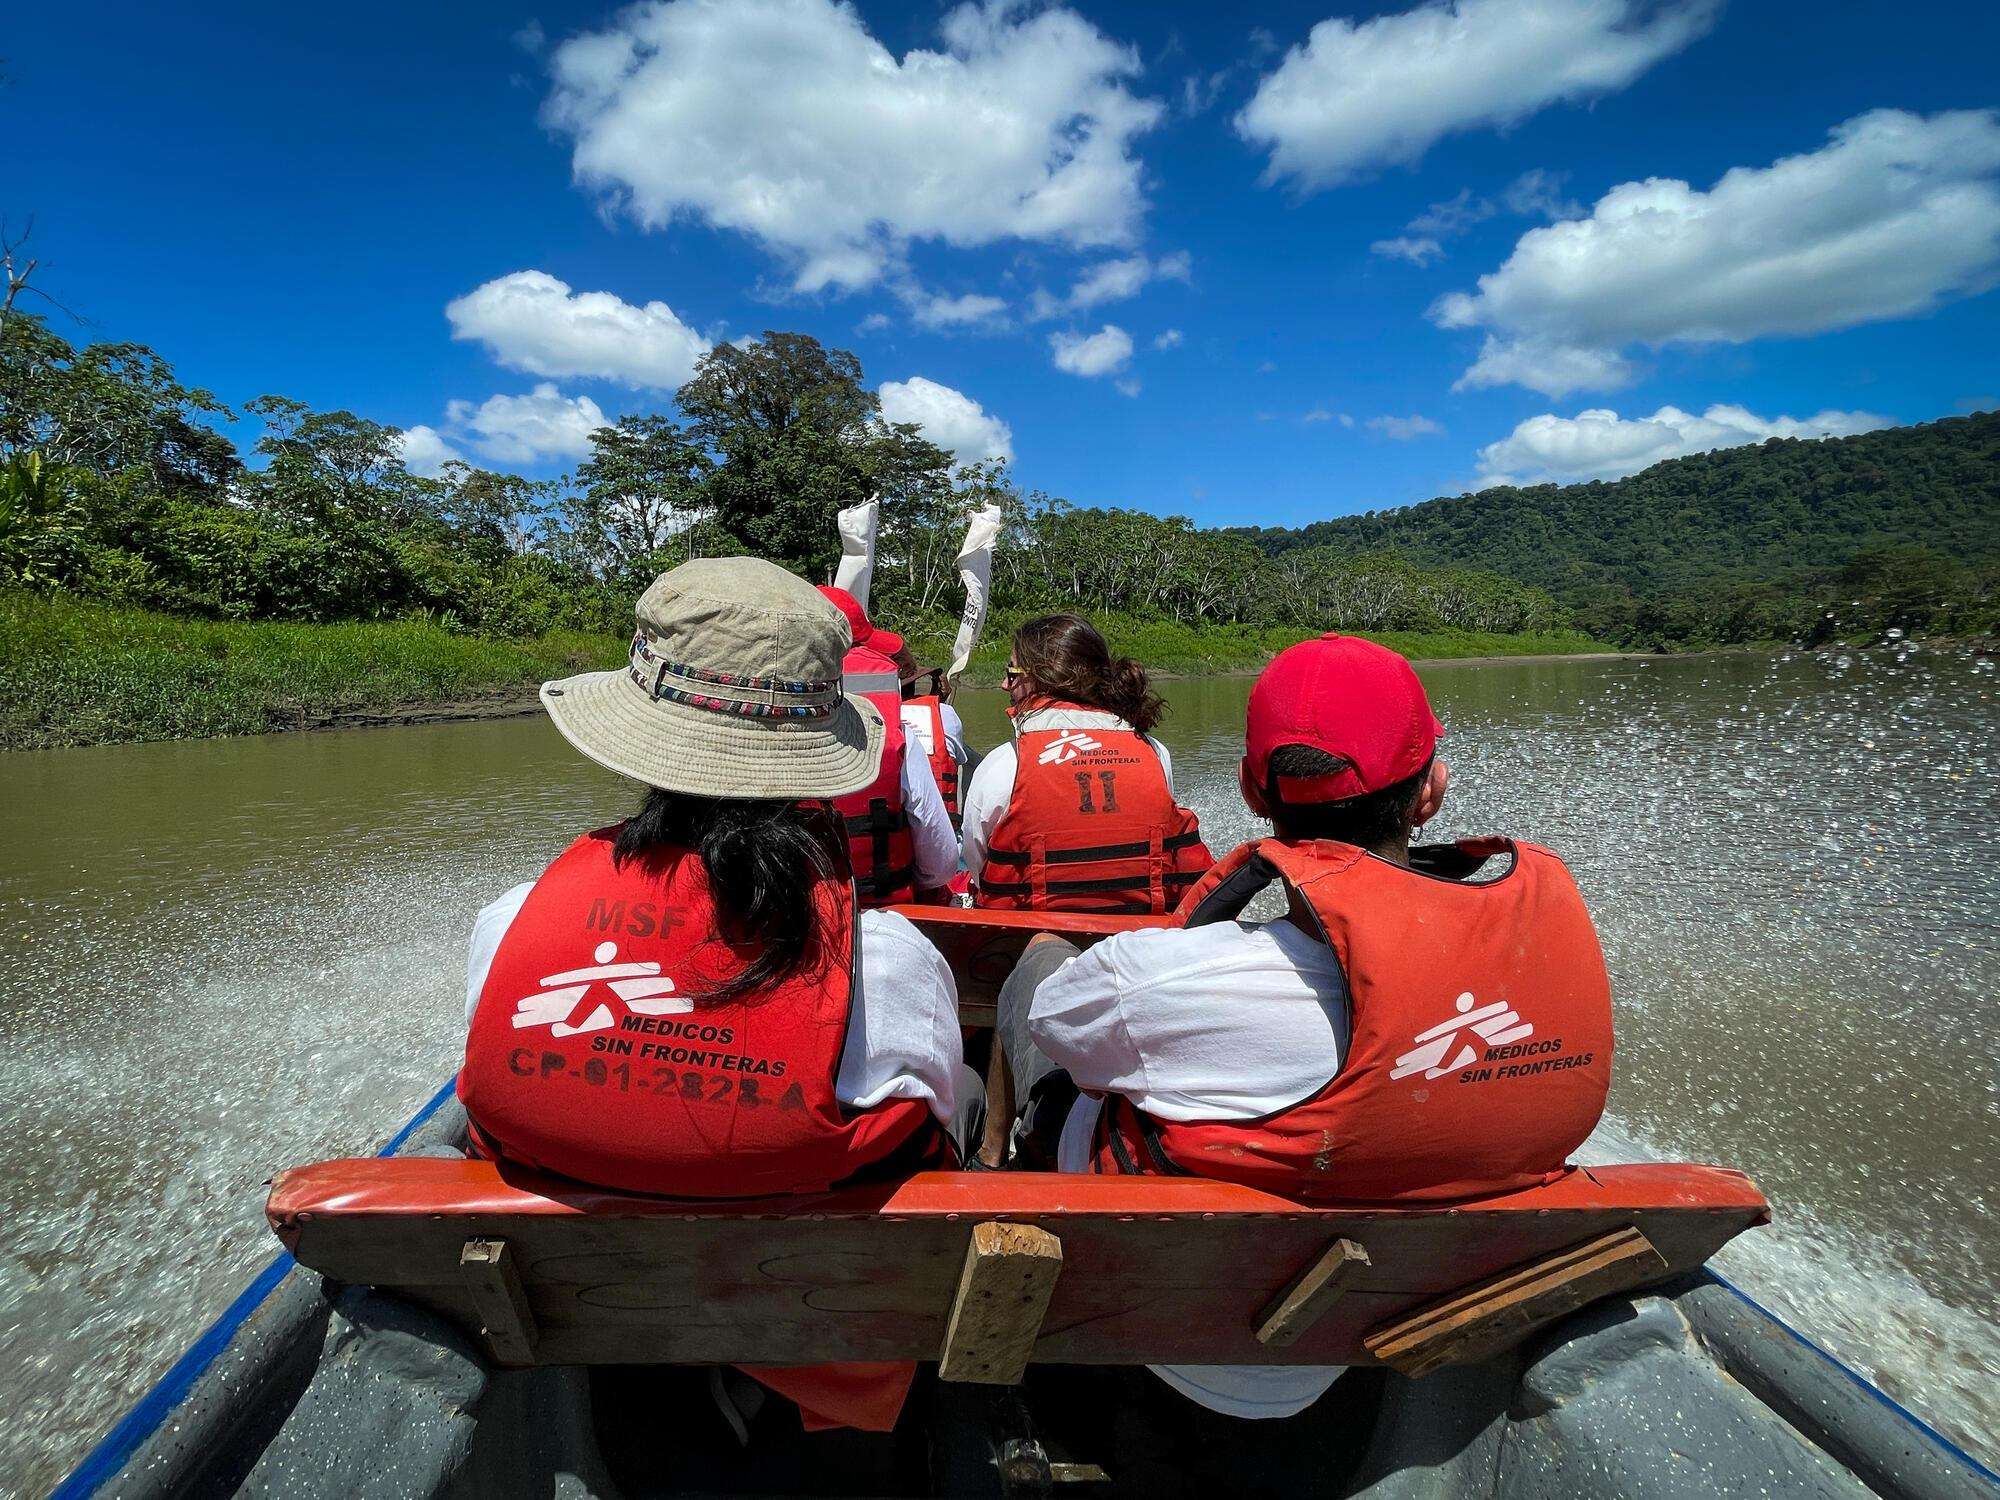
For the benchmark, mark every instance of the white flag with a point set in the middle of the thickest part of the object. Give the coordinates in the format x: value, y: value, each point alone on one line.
x: 975, y: 571
x: 857, y: 549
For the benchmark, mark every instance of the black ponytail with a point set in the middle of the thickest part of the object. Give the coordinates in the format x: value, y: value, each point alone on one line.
x: 763, y: 860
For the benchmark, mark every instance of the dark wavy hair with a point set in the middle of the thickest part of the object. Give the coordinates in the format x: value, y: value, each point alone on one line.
x: 1066, y: 658
x: 762, y: 859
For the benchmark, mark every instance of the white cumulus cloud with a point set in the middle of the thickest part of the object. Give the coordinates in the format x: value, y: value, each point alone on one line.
x: 424, y: 450
x: 528, y: 429
x: 787, y: 121
x: 1112, y: 281
x: 936, y: 310
x: 949, y: 418
x: 1172, y: 338
x: 531, y: 321
x: 1600, y: 444
x: 1405, y: 429
x: 1546, y: 365
x: 1361, y: 95
x: 1101, y: 353
x: 1896, y: 214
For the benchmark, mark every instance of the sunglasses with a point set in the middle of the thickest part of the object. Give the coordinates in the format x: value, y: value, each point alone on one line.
x: 1012, y: 676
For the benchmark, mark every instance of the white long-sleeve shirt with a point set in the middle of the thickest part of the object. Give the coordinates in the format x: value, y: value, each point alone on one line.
x: 1228, y: 1021
x: 992, y: 787
x: 903, y: 1037
x: 932, y: 838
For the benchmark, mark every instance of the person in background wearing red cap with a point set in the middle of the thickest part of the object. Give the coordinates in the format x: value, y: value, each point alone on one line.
x: 900, y: 838
x: 1404, y: 1032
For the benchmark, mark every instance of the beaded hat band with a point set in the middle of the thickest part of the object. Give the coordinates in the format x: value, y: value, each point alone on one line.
x: 728, y: 692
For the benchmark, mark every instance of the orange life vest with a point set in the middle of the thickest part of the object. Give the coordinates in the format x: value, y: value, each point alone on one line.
x: 879, y: 846
x: 593, y: 1054
x: 944, y: 765
x: 1480, y: 1051
x: 1091, y: 826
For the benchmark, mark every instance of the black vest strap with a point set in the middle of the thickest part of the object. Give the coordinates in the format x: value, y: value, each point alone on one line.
x: 1149, y: 1136
x: 1234, y: 891
x: 877, y: 825
x: 1088, y: 887
x: 1088, y: 855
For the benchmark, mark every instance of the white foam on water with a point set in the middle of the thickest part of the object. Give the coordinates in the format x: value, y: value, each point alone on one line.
x: 1787, y: 862
x: 1848, y: 1294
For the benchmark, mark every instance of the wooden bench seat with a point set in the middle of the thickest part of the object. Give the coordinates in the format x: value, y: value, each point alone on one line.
x: 983, y: 946
x: 1077, y: 1269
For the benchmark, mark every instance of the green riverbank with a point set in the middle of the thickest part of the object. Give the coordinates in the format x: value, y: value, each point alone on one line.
x: 79, y: 673
x: 1170, y: 649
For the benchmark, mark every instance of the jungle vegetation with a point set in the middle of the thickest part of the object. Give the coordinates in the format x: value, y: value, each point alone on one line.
x: 1791, y: 539
x: 121, y: 485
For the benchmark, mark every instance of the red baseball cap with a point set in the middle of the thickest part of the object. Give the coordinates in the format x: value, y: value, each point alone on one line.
x: 859, y: 628
x: 1350, y: 698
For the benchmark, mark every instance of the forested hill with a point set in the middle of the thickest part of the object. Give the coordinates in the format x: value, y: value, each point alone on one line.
x: 1726, y: 545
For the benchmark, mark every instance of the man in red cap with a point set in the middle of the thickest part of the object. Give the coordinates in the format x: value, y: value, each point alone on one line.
x: 900, y: 838
x: 1404, y: 1032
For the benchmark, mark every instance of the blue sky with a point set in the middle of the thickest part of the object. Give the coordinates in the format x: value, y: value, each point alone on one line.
x: 288, y: 199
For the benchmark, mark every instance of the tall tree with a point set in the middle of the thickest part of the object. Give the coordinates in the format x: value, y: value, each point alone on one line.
x: 333, y: 466
x: 109, y: 408
x: 642, y: 486
x: 792, y: 430
x: 923, y: 515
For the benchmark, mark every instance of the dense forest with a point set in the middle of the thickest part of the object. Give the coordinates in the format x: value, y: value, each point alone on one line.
x: 120, y: 483
x: 1899, y: 528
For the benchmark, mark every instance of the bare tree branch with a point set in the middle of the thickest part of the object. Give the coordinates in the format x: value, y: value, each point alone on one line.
x: 17, y: 270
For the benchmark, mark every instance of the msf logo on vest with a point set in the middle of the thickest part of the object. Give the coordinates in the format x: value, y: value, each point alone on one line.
x: 638, y: 988
x: 1066, y: 747
x: 1495, y: 1025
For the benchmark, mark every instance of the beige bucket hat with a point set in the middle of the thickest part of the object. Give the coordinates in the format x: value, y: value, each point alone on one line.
x: 733, y: 690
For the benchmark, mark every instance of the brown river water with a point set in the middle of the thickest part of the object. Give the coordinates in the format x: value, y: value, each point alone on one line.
x: 222, y: 957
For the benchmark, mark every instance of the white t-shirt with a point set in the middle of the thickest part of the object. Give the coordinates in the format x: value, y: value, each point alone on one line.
x: 1228, y: 1021
x: 992, y: 787
x: 903, y: 1037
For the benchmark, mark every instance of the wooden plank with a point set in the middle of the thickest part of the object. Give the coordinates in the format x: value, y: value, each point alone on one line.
x: 982, y: 946
x: 999, y: 1128
x: 1155, y: 1270
x: 1003, y: 1294
x: 491, y: 1275
x: 1482, y: 1320
x: 1311, y: 1295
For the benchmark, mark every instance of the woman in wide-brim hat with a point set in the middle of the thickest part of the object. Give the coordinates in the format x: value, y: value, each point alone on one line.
x: 675, y: 1005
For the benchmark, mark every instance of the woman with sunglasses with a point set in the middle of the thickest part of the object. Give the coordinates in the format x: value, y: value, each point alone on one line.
x: 1078, y: 813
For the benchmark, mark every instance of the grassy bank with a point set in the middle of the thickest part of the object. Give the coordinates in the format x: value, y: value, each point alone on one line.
x: 78, y: 673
